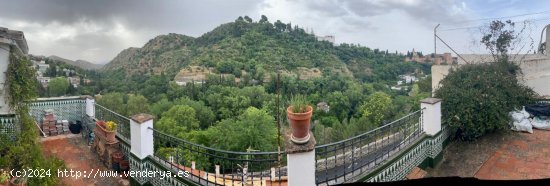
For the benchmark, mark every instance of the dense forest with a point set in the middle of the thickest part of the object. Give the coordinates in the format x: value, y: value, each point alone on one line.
x: 224, y: 113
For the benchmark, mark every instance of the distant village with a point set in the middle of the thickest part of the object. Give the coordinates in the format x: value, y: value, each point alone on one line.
x: 436, y: 59
x: 72, y: 76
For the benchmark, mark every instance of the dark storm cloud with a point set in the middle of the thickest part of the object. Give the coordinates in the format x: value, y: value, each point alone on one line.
x: 186, y: 15
x: 135, y: 22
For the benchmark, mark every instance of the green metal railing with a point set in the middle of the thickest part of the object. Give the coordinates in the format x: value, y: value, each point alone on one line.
x: 383, y: 154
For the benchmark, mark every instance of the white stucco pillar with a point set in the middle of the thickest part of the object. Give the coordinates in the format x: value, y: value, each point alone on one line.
x: 217, y: 170
x: 272, y: 176
x: 90, y: 106
x: 141, y: 140
x: 4, y: 61
x: 301, y: 162
x: 431, y: 115
x: 548, y: 40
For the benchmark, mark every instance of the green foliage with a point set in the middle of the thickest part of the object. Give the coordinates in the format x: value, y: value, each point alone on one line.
x: 113, y: 101
x: 328, y: 120
x: 477, y: 98
x: 58, y: 86
x: 4, y: 176
x: 179, y: 120
x: 155, y: 87
x: 160, y: 107
x: 323, y: 134
x: 227, y: 101
x: 20, y: 80
x: 51, y: 71
x: 498, y: 39
x: 244, y: 44
x: 253, y: 51
x: 299, y: 104
x: 253, y: 129
x: 25, y: 152
x: 339, y: 104
x: 416, y: 94
x: 425, y: 85
x: 376, y: 106
x: 184, y: 157
x: 137, y: 104
x: 204, y: 114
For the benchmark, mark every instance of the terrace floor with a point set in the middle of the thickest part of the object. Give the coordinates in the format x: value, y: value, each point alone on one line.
x: 499, y: 156
x: 76, y: 154
x: 524, y: 157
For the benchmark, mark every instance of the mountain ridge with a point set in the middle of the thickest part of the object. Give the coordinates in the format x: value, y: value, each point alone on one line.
x: 80, y: 63
x: 256, y: 47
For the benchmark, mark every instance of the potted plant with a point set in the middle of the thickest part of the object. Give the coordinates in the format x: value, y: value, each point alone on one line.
x: 299, y: 117
x: 108, y: 129
x: 4, y: 178
x: 124, y: 167
x: 116, y: 158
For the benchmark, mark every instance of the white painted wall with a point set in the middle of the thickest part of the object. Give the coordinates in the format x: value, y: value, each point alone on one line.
x: 141, y: 138
x: 4, y: 61
x: 548, y: 39
x: 90, y: 107
x: 301, y: 168
x: 431, y: 115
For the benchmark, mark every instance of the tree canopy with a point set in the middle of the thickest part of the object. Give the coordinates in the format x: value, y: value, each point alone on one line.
x: 58, y: 86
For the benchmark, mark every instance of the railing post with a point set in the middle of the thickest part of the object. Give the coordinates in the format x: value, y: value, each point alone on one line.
x: 90, y: 106
x: 301, y: 162
x: 431, y: 115
x: 141, y: 139
x: 272, y: 176
x: 217, y: 170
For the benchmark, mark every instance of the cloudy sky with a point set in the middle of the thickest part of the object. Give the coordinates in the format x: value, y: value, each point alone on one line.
x: 98, y: 30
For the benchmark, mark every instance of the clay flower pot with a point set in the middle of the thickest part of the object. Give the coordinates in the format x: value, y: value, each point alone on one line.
x: 101, y: 126
x: 300, y: 124
x: 110, y: 136
x: 117, y: 156
x: 124, y: 165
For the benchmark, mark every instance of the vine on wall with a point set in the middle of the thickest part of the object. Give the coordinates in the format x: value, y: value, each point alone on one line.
x: 25, y: 152
x: 20, y: 80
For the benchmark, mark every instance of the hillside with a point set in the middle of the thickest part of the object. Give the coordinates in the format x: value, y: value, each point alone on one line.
x: 159, y: 54
x: 79, y: 63
x: 85, y: 65
x: 257, y: 48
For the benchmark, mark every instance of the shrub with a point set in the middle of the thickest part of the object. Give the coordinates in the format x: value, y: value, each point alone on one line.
x: 478, y: 97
